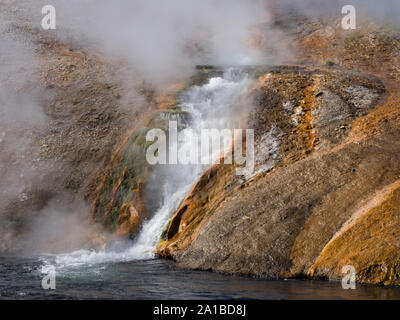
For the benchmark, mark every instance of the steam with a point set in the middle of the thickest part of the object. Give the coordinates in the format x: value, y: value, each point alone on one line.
x: 162, y: 39
x: 20, y: 114
x: 387, y: 11
x: 36, y: 213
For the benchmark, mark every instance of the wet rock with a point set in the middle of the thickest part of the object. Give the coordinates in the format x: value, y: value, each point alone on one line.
x: 278, y: 222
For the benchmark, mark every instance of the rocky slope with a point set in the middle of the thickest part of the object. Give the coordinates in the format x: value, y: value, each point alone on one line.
x: 329, y: 194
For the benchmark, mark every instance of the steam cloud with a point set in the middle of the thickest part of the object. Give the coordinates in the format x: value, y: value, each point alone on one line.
x: 35, y: 212
x: 163, y: 39
x: 387, y: 11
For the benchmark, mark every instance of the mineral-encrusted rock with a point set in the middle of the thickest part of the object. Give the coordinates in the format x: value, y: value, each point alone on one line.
x: 316, y: 176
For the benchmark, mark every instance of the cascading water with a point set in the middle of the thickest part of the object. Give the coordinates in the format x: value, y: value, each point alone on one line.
x: 213, y: 105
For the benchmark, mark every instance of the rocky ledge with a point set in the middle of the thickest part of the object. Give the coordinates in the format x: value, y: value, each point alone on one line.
x: 326, y: 192
x: 326, y: 189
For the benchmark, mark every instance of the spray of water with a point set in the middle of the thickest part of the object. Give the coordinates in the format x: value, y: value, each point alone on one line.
x: 213, y: 105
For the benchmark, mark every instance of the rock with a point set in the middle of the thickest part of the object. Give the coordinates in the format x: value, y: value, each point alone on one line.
x: 279, y: 222
x: 375, y: 258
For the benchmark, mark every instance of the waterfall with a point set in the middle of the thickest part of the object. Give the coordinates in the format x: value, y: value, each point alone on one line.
x: 212, y: 105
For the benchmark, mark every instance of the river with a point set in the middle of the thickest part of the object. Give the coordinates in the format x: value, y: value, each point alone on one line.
x: 20, y: 278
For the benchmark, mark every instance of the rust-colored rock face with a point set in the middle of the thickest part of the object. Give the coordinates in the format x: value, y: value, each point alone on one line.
x: 369, y: 242
x: 294, y: 113
x: 326, y: 189
x: 197, y: 207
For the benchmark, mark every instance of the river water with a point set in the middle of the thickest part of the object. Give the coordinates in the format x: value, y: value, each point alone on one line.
x: 20, y: 278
